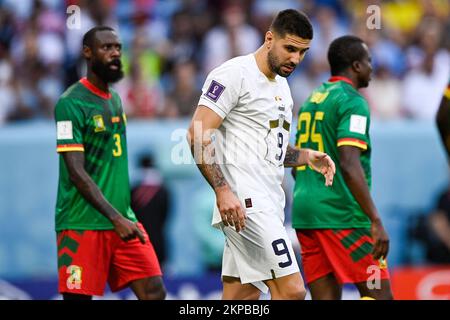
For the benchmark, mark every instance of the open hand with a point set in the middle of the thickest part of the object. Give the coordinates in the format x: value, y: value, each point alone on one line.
x: 321, y: 162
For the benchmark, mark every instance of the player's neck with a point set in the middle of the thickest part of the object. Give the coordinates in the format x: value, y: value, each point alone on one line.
x: 97, y: 82
x: 263, y: 63
x: 351, y: 79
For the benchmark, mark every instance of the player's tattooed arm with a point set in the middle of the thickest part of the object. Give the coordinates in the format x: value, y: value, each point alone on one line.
x: 292, y: 158
x: 316, y: 160
x: 297, y: 157
x: 205, y: 160
x: 125, y: 228
x: 199, y: 137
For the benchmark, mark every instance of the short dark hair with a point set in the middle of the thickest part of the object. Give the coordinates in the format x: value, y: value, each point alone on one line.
x: 294, y: 22
x: 343, y: 51
x: 89, y: 37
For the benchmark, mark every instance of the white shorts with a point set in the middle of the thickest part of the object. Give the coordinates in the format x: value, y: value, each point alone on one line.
x: 262, y: 251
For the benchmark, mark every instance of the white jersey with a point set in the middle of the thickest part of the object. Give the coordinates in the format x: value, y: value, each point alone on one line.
x: 251, y: 142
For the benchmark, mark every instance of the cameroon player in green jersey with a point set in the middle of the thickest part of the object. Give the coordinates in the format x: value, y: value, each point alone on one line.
x: 443, y: 119
x: 339, y: 229
x: 99, y: 239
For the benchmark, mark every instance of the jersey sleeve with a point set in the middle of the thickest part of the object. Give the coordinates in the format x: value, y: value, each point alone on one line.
x: 354, y: 122
x: 221, y: 89
x: 69, y: 126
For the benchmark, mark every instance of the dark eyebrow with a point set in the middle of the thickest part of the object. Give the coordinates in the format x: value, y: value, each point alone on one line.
x: 289, y: 46
x: 112, y: 44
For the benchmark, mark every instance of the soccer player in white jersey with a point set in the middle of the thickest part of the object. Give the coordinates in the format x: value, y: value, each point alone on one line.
x: 239, y: 138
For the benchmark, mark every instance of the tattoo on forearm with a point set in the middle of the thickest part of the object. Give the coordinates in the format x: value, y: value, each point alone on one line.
x: 291, y: 158
x: 206, y: 163
x: 213, y: 174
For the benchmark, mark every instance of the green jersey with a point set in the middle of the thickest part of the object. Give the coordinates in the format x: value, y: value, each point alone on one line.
x: 92, y: 121
x: 334, y: 115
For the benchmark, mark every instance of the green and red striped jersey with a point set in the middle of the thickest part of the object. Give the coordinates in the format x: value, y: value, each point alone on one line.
x: 334, y: 115
x: 92, y: 121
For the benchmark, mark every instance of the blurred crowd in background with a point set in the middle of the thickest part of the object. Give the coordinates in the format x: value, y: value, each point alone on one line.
x: 169, y: 46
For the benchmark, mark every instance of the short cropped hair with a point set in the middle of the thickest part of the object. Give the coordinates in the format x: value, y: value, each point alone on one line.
x: 89, y: 37
x: 294, y: 22
x: 343, y: 51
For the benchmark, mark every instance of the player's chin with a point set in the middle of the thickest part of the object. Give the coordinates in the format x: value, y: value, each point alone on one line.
x: 285, y: 74
x: 114, y: 76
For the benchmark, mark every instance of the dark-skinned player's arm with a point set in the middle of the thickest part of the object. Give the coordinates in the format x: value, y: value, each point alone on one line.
x: 125, y: 228
x: 203, y: 124
x: 443, y: 120
x: 353, y: 173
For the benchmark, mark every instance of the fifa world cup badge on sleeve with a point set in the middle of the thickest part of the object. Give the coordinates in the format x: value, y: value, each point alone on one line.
x: 64, y: 130
x: 215, y: 90
x: 358, y: 124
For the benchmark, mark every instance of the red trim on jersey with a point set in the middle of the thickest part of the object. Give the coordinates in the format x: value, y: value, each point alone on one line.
x: 69, y: 147
x: 352, y: 142
x: 352, y: 139
x: 340, y: 78
x: 91, y: 87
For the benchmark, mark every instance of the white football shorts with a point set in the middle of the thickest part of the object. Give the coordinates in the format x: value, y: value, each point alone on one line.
x: 262, y: 251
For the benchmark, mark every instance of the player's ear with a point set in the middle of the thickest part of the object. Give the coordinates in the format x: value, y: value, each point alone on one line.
x: 356, y: 66
x: 87, y: 52
x: 269, y: 39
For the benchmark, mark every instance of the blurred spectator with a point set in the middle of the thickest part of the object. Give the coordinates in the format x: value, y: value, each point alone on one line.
x: 327, y: 27
x: 142, y: 55
x: 386, y: 51
x: 7, y: 93
x: 402, y: 15
x: 182, y: 99
x: 139, y: 98
x: 384, y: 95
x: 263, y: 11
x: 6, y: 27
x: 140, y: 91
x: 150, y: 200
x: 233, y: 37
x: 182, y: 45
x: 167, y: 45
x: 433, y: 230
x: 303, y: 83
x: 211, y: 239
x: 424, y: 83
